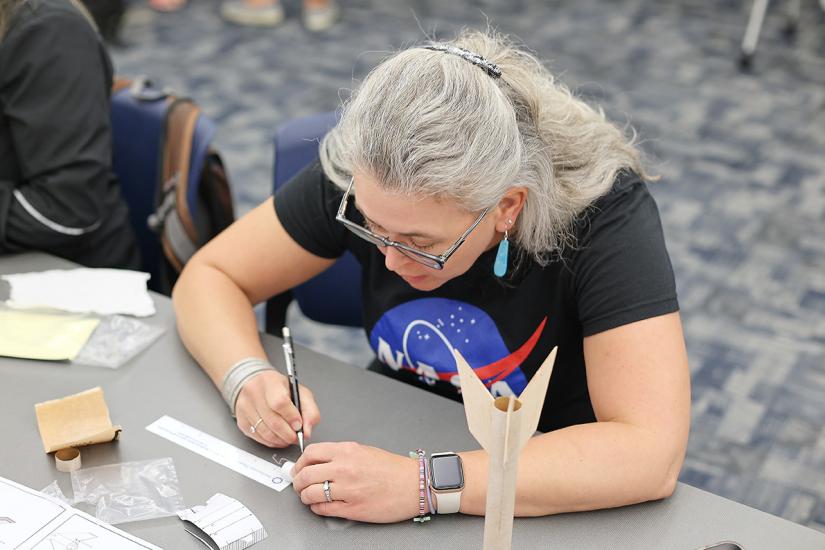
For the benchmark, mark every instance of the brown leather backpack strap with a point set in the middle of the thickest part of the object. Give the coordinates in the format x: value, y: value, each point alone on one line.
x: 180, y: 129
x: 179, y: 238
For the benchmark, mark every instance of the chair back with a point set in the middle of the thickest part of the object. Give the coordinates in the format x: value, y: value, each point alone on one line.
x: 334, y: 296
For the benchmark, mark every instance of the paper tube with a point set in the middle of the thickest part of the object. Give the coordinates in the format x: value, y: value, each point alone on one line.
x: 67, y: 460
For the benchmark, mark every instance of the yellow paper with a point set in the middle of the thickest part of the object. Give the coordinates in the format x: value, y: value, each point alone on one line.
x: 44, y: 336
x: 74, y: 421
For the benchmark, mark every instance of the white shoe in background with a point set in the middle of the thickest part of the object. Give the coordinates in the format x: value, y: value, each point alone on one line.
x: 320, y: 19
x: 243, y: 13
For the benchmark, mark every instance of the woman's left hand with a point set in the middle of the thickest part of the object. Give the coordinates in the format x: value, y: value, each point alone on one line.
x: 365, y: 483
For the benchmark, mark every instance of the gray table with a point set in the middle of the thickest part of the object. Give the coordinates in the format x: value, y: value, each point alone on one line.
x: 355, y: 405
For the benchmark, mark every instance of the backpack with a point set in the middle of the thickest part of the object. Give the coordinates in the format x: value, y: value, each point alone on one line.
x: 173, y: 181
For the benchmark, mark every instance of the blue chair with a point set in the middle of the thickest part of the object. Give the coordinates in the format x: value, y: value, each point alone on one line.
x: 334, y: 296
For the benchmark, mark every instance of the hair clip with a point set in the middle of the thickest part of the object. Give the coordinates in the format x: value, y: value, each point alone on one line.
x: 489, y: 67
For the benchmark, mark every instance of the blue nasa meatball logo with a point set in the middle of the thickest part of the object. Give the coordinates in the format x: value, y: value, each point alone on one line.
x: 419, y: 336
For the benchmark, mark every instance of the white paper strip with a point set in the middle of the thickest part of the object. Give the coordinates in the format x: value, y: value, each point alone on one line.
x: 216, y: 450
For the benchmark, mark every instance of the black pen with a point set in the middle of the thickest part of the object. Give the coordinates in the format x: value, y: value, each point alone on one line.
x: 289, y: 356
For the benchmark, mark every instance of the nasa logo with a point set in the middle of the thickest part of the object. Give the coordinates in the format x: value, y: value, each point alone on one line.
x: 419, y: 336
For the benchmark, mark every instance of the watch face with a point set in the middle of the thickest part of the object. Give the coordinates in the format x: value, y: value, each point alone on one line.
x: 446, y: 473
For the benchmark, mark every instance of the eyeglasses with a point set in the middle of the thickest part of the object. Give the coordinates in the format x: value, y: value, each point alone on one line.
x: 430, y: 260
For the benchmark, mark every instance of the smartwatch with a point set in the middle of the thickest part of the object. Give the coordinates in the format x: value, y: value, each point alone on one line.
x: 447, y: 481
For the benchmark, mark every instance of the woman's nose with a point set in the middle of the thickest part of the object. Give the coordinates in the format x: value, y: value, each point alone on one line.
x: 394, y: 259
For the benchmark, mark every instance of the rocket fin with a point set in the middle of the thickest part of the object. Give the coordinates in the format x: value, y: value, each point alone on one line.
x: 478, y: 403
x: 532, y: 399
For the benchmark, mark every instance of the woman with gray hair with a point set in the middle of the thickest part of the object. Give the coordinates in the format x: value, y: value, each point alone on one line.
x: 492, y: 212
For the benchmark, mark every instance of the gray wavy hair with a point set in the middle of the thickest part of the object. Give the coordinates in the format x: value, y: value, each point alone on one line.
x: 426, y: 123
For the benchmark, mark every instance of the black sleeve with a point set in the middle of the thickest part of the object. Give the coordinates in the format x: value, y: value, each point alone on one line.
x: 306, y: 207
x: 54, y: 91
x: 621, y: 268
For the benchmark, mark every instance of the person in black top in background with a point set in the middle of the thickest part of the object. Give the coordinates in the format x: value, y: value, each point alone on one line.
x: 58, y: 193
x: 444, y: 155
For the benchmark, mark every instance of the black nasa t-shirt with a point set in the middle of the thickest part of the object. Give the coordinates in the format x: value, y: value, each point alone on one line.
x: 618, y: 273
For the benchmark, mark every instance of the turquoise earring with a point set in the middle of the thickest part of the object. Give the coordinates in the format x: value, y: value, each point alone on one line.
x: 500, y: 266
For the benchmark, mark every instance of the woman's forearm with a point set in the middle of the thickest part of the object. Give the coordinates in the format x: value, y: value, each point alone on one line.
x: 583, y: 467
x: 215, y: 320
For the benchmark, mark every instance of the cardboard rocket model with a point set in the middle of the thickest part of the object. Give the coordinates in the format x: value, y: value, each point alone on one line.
x: 502, y: 426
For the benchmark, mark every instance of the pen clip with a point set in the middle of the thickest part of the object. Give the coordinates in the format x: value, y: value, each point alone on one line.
x: 288, y: 359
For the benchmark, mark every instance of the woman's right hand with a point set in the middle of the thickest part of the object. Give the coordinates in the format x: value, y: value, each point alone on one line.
x: 267, y: 396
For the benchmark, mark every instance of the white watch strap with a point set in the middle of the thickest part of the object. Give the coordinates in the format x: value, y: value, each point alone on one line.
x: 448, y: 503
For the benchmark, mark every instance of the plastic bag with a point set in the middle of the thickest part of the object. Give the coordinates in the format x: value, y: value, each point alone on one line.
x: 53, y: 490
x: 116, y: 340
x: 130, y: 491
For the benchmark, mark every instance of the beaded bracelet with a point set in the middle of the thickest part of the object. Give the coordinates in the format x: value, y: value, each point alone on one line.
x: 422, y: 486
x: 429, y: 487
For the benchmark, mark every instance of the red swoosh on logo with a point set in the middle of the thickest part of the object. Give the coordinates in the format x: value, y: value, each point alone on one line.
x: 504, y: 366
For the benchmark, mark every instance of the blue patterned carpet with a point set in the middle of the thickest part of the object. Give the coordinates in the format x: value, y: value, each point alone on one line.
x: 742, y: 195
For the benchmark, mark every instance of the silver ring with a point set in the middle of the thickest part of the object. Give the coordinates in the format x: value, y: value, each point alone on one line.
x: 326, y: 491
x: 254, y: 427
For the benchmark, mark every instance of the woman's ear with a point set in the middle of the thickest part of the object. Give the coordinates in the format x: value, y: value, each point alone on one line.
x: 509, y: 208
